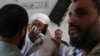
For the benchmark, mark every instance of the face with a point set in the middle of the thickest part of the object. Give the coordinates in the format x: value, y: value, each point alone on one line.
x: 38, y: 24
x: 22, y: 41
x: 58, y: 34
x: 82, y: 17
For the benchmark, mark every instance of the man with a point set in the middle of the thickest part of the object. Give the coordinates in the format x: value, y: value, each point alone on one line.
x: 13, y: 23
x: 84, y: 27
x: 63, y: 48
x: 38, y: 42
x: 58, y: 36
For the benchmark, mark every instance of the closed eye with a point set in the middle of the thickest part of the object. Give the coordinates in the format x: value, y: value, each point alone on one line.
x: 70, y: 14
x: 80, y: 12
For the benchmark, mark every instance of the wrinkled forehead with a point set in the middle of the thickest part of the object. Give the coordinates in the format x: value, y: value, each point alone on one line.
x: 37, y: 22
x: 58, y: 31
x: 80, y: 0
x: 85, y: 4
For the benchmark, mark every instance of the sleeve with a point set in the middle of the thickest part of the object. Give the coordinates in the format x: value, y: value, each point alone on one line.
x: 27, y: 46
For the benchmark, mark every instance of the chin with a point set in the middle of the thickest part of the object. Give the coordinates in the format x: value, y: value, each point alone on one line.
x: 76, y: 41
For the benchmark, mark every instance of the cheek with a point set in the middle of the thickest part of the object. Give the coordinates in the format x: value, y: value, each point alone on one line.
x: 88, y: 21
x: 41, y: 27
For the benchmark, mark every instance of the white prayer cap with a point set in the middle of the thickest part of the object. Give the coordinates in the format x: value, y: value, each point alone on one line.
x: 41, y: 17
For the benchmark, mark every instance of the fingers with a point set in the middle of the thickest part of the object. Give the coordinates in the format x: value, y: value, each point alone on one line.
x: 35, y: 30
x: 34, y: 33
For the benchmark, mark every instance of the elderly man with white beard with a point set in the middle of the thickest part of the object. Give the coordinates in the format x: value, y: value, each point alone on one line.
x: 38, y: 42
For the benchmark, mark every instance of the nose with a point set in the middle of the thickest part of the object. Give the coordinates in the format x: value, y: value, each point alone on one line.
x: 73, y: 20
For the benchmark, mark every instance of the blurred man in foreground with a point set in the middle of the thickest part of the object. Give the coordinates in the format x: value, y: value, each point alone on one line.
x: 13, y: 23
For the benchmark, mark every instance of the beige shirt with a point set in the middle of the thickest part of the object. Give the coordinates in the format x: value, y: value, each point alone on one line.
x: 8, y: 49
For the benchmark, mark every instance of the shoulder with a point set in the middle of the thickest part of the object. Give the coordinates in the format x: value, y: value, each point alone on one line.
x: 64, y: 42
x: 95, y: 51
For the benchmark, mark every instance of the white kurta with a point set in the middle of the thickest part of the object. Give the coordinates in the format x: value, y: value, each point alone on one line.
x: 27, y: 46
x: 46, y: 48
x: 63, y: 50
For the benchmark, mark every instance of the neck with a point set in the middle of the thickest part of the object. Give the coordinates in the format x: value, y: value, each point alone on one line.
x: 84, y: 52
x: 5, y: 39
x: 8, y: 40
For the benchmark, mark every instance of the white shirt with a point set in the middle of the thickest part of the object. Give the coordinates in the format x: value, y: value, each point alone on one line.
x: 64, y: 49
x: 28, y: 44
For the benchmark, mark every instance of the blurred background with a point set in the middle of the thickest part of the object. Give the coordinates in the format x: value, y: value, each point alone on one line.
x: 56, y: 9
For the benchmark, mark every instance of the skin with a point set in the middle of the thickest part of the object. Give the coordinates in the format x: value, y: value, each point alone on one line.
x: 16, y: 40
x: 22, y: 36
x: 83, y: 22
x: 58, y: 36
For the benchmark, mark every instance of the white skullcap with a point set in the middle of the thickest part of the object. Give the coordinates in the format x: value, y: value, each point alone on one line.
x: 41, y: 17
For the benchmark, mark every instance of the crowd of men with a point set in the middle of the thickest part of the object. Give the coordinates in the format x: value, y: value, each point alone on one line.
x: 84, y: 20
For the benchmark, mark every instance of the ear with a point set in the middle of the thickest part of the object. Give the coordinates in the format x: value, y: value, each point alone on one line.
x: 28, y: 27
x: 23, y: 31
x: 18, y: 36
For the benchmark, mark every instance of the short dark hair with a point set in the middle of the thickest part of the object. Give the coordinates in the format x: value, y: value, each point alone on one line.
x: 12, y: 19
x: 58, y: 30
x: 97, y: 2
x: 73, y: 0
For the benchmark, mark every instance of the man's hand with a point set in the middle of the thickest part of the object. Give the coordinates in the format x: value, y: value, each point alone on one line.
x: 34, y: 33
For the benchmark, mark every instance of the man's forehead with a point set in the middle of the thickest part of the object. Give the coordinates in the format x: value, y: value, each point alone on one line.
x: 36, y: 22
x: 80, y: 0
x: 82, y: 4
x: 74, y: 0
x: 58, y: 31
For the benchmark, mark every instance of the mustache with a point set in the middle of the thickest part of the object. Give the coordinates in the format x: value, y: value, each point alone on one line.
x: 75, y: 26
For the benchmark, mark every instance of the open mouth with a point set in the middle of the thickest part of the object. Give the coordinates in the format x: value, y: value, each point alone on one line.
x: 73, y: 31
